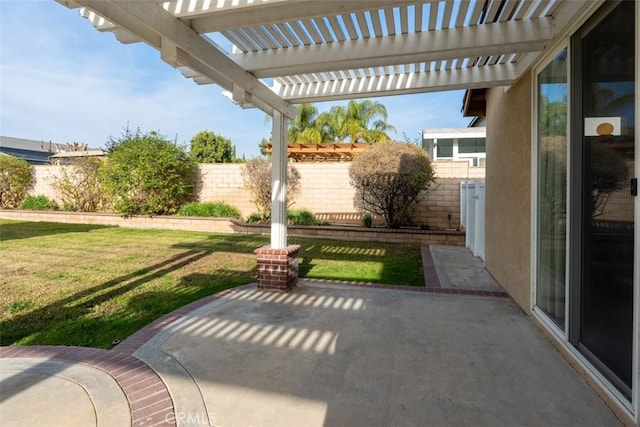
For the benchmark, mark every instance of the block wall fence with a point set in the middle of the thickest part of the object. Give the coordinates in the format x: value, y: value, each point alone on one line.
x: 325, y: 190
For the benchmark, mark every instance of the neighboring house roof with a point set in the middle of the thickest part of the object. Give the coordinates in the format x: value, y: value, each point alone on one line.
x: 88, y: 153
x: 34, y: 152
x: 468, y: 132
x: 64, y: 158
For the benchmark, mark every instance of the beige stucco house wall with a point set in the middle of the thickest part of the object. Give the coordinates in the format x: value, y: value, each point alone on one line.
x: 508, y: 190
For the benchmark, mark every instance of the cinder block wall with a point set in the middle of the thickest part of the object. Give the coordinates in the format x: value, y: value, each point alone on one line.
x: 325, y: 190
x: 44, y: 177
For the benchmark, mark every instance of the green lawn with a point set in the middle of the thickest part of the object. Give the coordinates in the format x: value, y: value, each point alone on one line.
x: 64, y: 284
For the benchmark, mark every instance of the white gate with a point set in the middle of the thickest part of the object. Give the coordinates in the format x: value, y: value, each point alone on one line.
x: 472, y: 215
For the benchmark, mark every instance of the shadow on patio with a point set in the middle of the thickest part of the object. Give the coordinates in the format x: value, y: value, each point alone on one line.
x: 332, y: 355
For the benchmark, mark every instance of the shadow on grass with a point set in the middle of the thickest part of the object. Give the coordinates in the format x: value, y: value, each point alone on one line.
x: 360, y: 262
x: 27, y: 230
x: 69, y: 321
x: 385, y: 263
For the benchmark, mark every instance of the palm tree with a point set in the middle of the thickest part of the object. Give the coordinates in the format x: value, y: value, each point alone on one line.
x: 360, y: 121
x: 305, y: 119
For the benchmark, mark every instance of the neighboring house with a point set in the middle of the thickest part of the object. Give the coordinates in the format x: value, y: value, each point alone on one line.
x: 456, y: 144
x: 34, y: 152
x: 68, y: 157
x: 42, y: 153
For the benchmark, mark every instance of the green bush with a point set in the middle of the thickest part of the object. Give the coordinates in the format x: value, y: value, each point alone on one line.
x: 147, y: 174
x: 367, y: 221
x: 208, y: 147
x: 38, y: 203
x: 254, y: 217
x: 16, y: 178
x: 217, y: 210
x: 79, y: 187
x: 301, y: 217
x: 388, y: 178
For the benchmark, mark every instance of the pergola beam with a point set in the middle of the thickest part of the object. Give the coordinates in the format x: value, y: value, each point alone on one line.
x: 149, y: 21
x: 398, y: 84
x: 480, y: 40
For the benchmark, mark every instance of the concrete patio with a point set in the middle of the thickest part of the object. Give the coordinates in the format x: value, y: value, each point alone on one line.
x: 326, y: 354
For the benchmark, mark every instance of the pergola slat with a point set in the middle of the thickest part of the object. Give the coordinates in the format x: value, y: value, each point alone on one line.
x: 390, y: 21
x: 313, y: 41
x: 462, y: 13
x: 433, y: 15
x: 362, y: 24
x: 418, y: 17
x: 311, y: 29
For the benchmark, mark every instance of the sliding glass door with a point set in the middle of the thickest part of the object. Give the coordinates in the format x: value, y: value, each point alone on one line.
x: 603, y: 129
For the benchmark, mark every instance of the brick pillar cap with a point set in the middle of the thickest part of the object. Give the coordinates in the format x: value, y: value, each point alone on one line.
x: 266, y: 250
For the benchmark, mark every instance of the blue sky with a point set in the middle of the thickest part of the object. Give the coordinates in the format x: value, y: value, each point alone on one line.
x: 62, y: 80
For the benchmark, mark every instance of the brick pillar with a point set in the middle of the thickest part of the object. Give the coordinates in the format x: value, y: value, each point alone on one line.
x: 277, y: 268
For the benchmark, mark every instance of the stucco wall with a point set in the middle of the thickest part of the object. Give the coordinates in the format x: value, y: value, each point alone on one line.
x: 508, y: 188
x: 325, y: 190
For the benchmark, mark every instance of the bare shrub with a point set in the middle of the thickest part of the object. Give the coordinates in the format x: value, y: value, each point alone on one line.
x: 79, y: 187
x: 16, y: 178
x: 256, y: 176
x: 388, y: 178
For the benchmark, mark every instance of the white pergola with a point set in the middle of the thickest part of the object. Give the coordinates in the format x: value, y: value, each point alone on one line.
x: 292, y: 51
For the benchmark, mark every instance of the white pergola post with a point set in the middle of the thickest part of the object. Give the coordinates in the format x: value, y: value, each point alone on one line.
x: 279, y: 182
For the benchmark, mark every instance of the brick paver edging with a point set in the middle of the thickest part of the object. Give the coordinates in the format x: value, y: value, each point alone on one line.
x: 148, y: 397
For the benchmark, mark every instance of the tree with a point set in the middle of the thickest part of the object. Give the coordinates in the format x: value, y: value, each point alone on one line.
x: 360, y: 121
x: 256, y: 175
x: 16, y: 178
x: 553, y: 117
x: 388, y: 178
x: 609, y: 173
x: 208, y: 147
x: 264, y: 146
x: 147, y: 174
x: 79, y: 186
x: 304, y: 120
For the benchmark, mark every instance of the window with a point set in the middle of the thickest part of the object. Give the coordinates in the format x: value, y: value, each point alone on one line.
x: 445, y: 147
x: 472, y: 145
x: 552, y: 189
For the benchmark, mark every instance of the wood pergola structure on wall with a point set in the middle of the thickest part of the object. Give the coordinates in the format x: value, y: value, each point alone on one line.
x: 329, y: 152
x: 292, y: 51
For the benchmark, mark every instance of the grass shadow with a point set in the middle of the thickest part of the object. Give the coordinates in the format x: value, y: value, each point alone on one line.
x: 59, y: 323
x: 10, y: 230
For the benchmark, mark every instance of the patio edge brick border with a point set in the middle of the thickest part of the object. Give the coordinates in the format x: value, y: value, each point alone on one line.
x: 149, y: 400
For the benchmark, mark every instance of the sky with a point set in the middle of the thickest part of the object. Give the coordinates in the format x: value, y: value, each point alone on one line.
x: 61, y: 80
